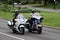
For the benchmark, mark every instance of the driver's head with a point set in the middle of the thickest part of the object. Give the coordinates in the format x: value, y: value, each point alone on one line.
x: 33, y: 11
x: 16, y: 11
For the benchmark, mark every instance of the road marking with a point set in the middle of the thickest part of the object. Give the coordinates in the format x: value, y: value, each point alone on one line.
x: 11, y: 36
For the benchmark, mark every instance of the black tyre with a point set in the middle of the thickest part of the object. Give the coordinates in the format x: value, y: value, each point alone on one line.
x: 39, y: 31
x: 22, y: 30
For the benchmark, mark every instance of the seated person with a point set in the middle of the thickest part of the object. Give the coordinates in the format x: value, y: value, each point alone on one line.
x: 31, y: 19
x: 17, y: 15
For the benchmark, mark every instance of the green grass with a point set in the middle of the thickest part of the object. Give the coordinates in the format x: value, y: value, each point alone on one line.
x: 5, y: 15
x: 50, y: 18
x: 48, y: 6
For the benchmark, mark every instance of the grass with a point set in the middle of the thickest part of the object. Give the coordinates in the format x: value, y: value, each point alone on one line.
x: 50, y: 18
x: 5, y: 15
x: 48, y: 6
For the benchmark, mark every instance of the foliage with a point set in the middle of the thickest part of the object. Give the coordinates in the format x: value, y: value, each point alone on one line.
x: 5, y: 7
x: 46, y: 2
x: 50, y: 6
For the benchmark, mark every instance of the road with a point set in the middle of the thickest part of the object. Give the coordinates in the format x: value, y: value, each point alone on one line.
x: 47, y: 33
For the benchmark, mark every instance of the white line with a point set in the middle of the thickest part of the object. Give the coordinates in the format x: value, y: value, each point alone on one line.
x: 11, y: 36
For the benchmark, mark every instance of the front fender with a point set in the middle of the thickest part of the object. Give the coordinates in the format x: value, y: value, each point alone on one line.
x: 21, y: 25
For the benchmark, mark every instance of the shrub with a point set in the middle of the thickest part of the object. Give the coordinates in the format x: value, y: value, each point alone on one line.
x: 5, y: 7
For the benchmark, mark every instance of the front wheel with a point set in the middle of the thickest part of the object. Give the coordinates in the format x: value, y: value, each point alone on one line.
x: 39, y: 31
x: 22, y: 30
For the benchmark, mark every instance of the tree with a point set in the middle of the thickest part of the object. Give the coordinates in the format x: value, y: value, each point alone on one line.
x: 45, y: 2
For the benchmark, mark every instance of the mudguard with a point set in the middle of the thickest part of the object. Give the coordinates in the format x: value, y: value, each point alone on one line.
x: 21, y: 25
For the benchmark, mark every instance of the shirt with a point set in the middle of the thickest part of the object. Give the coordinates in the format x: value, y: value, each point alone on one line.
x: 20, y: 16
x: 35, y: 14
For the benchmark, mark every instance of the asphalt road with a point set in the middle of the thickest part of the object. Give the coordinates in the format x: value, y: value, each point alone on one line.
x: 47, y: 33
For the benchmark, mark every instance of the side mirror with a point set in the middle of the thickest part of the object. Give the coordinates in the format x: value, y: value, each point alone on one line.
x: 9, y: 22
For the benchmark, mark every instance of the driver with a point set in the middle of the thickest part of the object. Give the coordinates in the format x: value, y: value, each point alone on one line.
x: 17, y: 15
x: 34, y: 13
x: 31, y: 19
